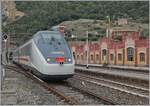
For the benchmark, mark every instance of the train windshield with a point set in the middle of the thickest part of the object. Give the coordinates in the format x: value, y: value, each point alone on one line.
x: 51, y: 38
x: 53, y: 45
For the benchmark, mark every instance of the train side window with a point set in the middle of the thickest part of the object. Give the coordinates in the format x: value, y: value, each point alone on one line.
x: 119, y: 57
x: 130, y: 54
x: 142, y: 57
x: 28, y: 50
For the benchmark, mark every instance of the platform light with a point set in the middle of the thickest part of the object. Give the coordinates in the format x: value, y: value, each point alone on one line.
x: 48, y: 59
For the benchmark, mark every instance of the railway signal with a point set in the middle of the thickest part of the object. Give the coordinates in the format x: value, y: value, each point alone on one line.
x: 5, y: 37
x: 6, y: 45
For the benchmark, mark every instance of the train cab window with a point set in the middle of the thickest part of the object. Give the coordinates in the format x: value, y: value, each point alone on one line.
x: 59, y: 43
x: 142, y: 57
x: 111, y: 57
x: 130, y: 54
x: 53, y: 37
x: 91, y: 57
x: 119, y: 57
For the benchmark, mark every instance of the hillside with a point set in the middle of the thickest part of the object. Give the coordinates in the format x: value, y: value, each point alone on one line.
x: 9, y: 12
x: 41, y: 15
x: 80, y: 26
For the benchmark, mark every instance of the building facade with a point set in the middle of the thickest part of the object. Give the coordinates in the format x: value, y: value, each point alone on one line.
x: 131, y: 49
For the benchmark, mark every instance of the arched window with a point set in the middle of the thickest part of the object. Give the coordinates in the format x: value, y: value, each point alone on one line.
x: 81, y: 57
x: 111, y: 57
x: 97, y: 57
x: 78, y: 57
x: 142, y: 57
x: 130, y: 54
x: 104, y: 54
x: 119, y: 57
x: 91, y: 57
x: 85, y: 53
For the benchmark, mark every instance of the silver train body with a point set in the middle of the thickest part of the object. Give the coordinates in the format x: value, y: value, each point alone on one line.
x: 47, y: 55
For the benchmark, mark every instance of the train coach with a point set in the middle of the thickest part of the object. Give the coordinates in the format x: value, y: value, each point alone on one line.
x: 47, y: 55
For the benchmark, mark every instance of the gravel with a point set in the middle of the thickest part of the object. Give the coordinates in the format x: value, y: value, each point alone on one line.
x: 81, y: 98
x: 20, y: 90
x: 111, y: 94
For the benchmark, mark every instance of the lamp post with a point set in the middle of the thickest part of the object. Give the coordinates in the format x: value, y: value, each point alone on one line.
x: 87, y: 56
x: 109, y: 22
x: 5, y: 48
x: 108, y: 17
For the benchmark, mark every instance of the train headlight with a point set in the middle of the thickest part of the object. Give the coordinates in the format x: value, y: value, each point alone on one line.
x: 69, y: 60
x: 48, y: 59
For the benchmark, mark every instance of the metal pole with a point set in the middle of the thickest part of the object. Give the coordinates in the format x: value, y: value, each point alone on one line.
x: 1, y: 66
x: 109, y: 39
x: 5, y: 43
x: 7, y: 49
x: 87, y: 50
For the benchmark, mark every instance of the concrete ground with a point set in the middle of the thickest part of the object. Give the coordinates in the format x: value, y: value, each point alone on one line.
x: 20, y: 90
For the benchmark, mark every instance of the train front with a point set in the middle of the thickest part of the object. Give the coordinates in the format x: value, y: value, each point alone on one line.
x: 59, y: 63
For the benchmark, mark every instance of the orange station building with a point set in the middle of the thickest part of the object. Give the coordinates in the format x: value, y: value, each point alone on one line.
x: 130, y: 50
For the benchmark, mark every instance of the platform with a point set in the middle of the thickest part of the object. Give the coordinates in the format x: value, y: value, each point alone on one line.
x: 124, y: 73
x: 146, y: 69
x: 20, y: 90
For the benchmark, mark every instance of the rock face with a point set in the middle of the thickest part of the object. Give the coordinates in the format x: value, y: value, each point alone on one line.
x: 9, y: 11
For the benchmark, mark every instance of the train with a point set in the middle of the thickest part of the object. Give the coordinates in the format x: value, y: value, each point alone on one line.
x: 47, y: 55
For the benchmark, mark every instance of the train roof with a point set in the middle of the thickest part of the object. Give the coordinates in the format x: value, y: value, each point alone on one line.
x: 37, y: 35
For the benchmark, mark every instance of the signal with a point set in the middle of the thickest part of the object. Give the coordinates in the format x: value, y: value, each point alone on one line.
x: 5, y: 37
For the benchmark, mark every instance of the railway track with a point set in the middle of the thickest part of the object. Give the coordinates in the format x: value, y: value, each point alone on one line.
x: 65, y: 92
x: 82, y: 98
x: 117, y: 92
x: 125, y: 77
x: 127, y: 87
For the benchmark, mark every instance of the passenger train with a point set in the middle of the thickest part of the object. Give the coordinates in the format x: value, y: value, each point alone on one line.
x: 47, y: 55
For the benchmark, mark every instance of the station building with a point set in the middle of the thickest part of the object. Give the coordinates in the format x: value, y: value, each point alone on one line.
x: 131, y: 49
